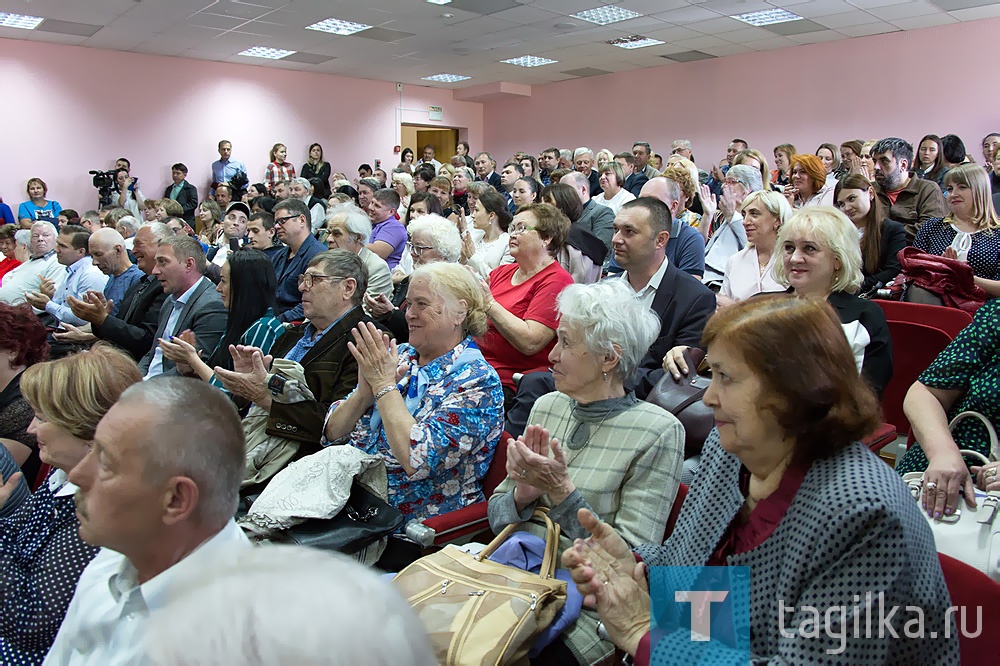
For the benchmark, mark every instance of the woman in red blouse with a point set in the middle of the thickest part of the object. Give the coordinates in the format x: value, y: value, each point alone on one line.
x: 521, y: 297
x: 8, y: 246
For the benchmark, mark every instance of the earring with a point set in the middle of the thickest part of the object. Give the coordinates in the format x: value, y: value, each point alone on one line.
x: 605, y: 376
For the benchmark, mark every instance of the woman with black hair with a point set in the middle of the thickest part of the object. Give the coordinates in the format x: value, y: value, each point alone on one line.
x: 247, y: 287
x: 492, y: 218
x: 406, y: 156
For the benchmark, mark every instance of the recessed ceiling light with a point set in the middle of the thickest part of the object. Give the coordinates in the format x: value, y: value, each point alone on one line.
x: 19, y: 21
x: 446, y: 78
x: 265, y: 52
x: 768, y: 17
x: 338, y: 27
x: 606, y: 14
x: 529, y: 61
x: 439, y: 2
x: 634, y: 42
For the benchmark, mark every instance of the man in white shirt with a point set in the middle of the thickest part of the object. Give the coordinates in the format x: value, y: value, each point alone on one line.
x: 43, y: 264
x: 160, y: 503
x: 428, y: 158
x: 81, y: 276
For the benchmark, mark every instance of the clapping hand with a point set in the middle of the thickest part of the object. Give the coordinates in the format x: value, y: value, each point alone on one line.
x: 379, y: 305
x: 377, y: 357
x: 46, y: 286
x: 74, y: 335
x: 93, y: 307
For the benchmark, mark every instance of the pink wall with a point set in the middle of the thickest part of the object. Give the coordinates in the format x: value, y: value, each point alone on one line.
x: 906, y: 84
x: 71, y: 109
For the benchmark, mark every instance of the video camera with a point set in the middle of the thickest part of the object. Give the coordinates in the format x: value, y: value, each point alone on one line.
x: 105, y: 183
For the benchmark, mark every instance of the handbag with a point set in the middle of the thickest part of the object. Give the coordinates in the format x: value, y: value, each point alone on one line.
x: 969, y: 535
x: 683, y: 398
x: 365, y: 519
x: 479, y: 612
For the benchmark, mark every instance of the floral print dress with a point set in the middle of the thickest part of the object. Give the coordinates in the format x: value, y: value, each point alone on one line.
x: 457, y: 403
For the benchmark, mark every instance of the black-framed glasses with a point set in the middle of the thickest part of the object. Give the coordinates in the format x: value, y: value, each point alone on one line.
x: 308, y: 279
x: 282, y: 220
x: 417, y: 250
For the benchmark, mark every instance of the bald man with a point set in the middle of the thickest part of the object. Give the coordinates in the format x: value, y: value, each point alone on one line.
x: 686, y: 247
x: 109, y: 254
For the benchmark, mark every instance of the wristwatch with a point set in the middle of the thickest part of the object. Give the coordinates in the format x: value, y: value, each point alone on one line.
x: 276, y: 384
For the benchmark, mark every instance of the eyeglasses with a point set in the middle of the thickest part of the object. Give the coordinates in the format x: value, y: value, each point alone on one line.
x: 519, y: 229
x: 308, y: 279
x: 282, y: 220
x: 417, y: 250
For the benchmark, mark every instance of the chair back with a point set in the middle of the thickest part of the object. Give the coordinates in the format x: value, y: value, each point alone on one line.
x: 949, y: 320
x: 914, y: 348
x: 973, y: 592
x: 498, y: 466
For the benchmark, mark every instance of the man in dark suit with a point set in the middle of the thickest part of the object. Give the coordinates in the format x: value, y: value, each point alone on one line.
x: 485, y: 171
x: 182, y: 191
x: 133, y: 326
x: 333, y: 287
x: 633, y: 180
x: 192, y: 302
x: 682, y: 303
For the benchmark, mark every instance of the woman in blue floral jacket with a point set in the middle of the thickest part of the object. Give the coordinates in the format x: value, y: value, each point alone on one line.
x: 432, y: 408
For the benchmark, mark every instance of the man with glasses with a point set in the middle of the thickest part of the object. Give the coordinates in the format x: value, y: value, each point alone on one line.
x: 333, y: 286
x: 292, y: 221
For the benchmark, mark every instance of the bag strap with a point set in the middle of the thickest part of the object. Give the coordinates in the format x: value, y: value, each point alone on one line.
x: 994, y: 443
x: 540, y: 516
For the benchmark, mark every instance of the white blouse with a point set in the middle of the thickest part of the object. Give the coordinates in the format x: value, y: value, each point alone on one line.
x: 743, y: 275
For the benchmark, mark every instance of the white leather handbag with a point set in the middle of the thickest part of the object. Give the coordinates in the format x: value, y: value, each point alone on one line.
x: 969, y: 535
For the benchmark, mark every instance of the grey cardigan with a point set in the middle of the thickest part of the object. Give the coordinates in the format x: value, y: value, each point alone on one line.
x: 852, y: 528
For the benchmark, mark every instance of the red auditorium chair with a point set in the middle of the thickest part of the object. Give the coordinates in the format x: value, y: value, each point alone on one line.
x: 914, y: 348
x: 973, y: 592
x: 949, y: 320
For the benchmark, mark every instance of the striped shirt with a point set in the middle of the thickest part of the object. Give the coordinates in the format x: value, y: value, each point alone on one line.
x: 262, y: 334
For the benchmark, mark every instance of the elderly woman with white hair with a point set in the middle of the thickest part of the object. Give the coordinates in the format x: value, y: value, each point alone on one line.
x: 723, y: 231
x: 432, y: 408
x: 348, y: 228
x: 403, y: 184
x: 432, y: 238
x: 593, y: 444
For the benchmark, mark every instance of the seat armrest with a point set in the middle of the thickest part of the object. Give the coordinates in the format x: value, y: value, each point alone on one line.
x: 439, y: 530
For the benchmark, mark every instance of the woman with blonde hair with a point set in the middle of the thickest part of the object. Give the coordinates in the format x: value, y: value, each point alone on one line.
x: 612, y: 181
x: 751, y: 270
x: 432, y: 408
x: 41, y: 551
x: 754, y: 158
x: 970, y: 231
x: 682, y: 176
x: 602, y: 157
x: 403, y: 184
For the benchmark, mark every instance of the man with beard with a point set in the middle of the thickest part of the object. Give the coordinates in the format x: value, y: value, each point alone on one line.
x: 911, y: 201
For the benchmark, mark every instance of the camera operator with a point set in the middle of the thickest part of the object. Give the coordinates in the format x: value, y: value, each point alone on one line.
x: 129, y: 196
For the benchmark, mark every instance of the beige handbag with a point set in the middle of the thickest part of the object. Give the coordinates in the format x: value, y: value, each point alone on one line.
x: 480, y: 612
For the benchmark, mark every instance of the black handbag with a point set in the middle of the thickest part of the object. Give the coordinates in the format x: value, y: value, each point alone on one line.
x: 683, y: 399
x: 365, y: 519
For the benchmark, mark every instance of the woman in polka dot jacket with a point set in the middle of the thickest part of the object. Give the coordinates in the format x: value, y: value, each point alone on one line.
x: 786, y: 489
x: 41, y: 553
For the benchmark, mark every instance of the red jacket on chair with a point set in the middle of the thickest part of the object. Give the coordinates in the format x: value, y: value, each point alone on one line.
x: 950, y: 279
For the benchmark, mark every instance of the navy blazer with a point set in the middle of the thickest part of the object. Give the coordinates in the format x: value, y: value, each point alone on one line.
x: 683, y: 305
x: 635, y: 182
x: 493, y: 180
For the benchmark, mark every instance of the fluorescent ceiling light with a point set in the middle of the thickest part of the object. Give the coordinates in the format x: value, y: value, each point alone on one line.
x: 439, y: 2
x: 768, y: 17
x: 634, y: 42
x: 19, y: 21
x: 529, y: 61
x: 265, y: 52
x: 338, y: 27
x: 446, y: 78
x: 606, y: 15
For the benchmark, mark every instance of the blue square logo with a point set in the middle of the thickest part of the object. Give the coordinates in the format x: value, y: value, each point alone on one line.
x: 700, y: 615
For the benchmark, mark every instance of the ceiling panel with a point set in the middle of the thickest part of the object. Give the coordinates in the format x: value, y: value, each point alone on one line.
x: 469, y: 37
